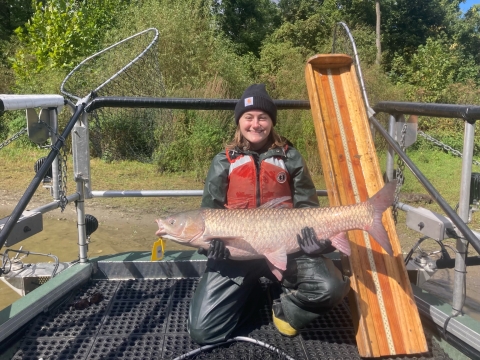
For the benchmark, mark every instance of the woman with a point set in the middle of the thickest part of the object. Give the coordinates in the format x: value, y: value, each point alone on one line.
x: 259, y: 166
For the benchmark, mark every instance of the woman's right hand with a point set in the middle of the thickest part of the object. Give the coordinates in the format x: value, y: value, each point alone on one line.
x: 216, y: 250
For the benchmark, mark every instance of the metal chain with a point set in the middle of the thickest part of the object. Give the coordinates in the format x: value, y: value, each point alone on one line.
x: 13, y: 138
x: 62, y: 176
x: 63, y: 180
x: 445, y: 146
x: 399, y: 174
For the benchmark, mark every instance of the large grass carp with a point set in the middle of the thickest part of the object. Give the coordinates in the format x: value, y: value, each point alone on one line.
x: 271, y: 231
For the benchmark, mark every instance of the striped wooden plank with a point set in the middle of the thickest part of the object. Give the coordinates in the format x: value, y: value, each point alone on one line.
x: 385, y: 315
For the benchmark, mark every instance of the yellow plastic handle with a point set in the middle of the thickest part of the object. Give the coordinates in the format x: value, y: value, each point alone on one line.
x: 158, y: 250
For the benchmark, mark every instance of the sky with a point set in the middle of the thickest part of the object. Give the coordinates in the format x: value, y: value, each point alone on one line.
x: 468, y: 4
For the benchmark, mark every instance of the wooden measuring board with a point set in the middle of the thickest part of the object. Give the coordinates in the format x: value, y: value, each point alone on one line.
x: 382, y: 303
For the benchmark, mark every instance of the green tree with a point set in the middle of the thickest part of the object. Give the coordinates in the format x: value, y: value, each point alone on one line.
x: 468, y: 33
x: 307, y: 24
x: 246, y: 22
x: 408, y: 24
x: 60, y: 32
x: 378, y: 43
x: 432, y: 69
x: 360, y: 12
x: 14, y: 13
x: 294, y: 10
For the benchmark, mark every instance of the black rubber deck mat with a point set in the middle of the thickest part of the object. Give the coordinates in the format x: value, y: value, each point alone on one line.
x: 147, y: 319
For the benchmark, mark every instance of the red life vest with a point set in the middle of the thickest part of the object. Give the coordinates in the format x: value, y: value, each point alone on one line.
x: 247, y: 189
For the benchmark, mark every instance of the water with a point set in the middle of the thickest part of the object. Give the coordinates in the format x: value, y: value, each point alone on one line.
x: 441, y: 284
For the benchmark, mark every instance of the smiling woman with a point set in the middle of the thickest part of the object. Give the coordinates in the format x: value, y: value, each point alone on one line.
x: 258, y: 168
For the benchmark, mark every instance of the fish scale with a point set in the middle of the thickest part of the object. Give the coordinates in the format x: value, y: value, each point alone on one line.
x: 267, y: 229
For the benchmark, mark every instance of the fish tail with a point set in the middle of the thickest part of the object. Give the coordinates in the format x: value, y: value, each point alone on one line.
x: 381, y: 201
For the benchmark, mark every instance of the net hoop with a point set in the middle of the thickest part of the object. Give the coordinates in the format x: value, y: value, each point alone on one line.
x: 152, y: 43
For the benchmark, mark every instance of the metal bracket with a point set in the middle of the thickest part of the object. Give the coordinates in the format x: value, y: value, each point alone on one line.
x: 37, y: 131
x: 429, y: 223
x: 29, y: 224
x: 420, y: 269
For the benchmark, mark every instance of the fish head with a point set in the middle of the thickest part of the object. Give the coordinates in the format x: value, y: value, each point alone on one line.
x: 183, y: 227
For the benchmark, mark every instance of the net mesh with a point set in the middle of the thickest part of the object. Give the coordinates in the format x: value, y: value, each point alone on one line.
x: 130, y: 68
x: 344, y: 43
x: 341, y: 42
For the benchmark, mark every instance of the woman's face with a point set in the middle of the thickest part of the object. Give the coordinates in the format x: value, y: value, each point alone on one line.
x: 255, y: 126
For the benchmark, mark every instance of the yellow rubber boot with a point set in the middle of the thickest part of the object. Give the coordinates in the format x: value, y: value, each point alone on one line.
x: 280, y: 323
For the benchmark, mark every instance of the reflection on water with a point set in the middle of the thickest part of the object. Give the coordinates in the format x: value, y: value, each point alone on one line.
x: 441, y: 285
x: 59, y: 237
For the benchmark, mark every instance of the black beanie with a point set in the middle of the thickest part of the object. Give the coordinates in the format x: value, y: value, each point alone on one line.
x: 256, y: 98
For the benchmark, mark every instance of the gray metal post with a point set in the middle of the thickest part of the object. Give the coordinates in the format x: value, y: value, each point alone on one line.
x: 391, y: 153
x: 81, y: 173
x: 81, y: 153
x: 463, y: 212
x: 82, y: 233
x: 55, y: 170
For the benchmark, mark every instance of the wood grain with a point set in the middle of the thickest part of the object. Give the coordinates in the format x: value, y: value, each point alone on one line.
x: 386, y: 318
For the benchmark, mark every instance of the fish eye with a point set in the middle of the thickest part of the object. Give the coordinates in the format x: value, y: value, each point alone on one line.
x: 171, y: 221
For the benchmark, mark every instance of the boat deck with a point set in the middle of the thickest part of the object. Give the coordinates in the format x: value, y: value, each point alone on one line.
x: 147, y: 319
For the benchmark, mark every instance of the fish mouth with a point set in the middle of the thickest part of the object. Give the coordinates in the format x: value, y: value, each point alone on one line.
x: 161, y: 229
x: 160, y: 232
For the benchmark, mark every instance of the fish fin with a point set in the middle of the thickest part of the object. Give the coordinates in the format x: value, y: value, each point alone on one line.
x: 278, y: 273
x: 278, y: 258
x: 277, y: 203
x: 380, y: 202
x: 340, y: 241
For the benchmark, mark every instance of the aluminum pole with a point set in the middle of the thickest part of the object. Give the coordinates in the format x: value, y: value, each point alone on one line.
x: 82, y: 232
x: 55, y: 170
x: 391, y: 153
x: 463, y: 212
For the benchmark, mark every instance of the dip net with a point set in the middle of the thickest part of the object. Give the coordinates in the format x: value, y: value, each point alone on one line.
x: 128, y: 68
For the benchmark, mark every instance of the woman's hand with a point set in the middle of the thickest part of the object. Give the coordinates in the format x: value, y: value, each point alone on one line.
x: 309, y: 243
x: 216, y: 251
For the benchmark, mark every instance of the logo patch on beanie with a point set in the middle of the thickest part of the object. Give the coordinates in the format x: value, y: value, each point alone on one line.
x: 248, y: 101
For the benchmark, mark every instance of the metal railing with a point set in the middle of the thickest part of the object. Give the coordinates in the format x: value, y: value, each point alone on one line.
x: 469, y: 114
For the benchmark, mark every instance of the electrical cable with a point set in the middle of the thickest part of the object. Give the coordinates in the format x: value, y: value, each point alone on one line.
x: 237, y: 338
x: 6, y: 259
x: 450, y: 247
x: 441, y: 244
x: 203, y: 348
x: 409, y: 255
